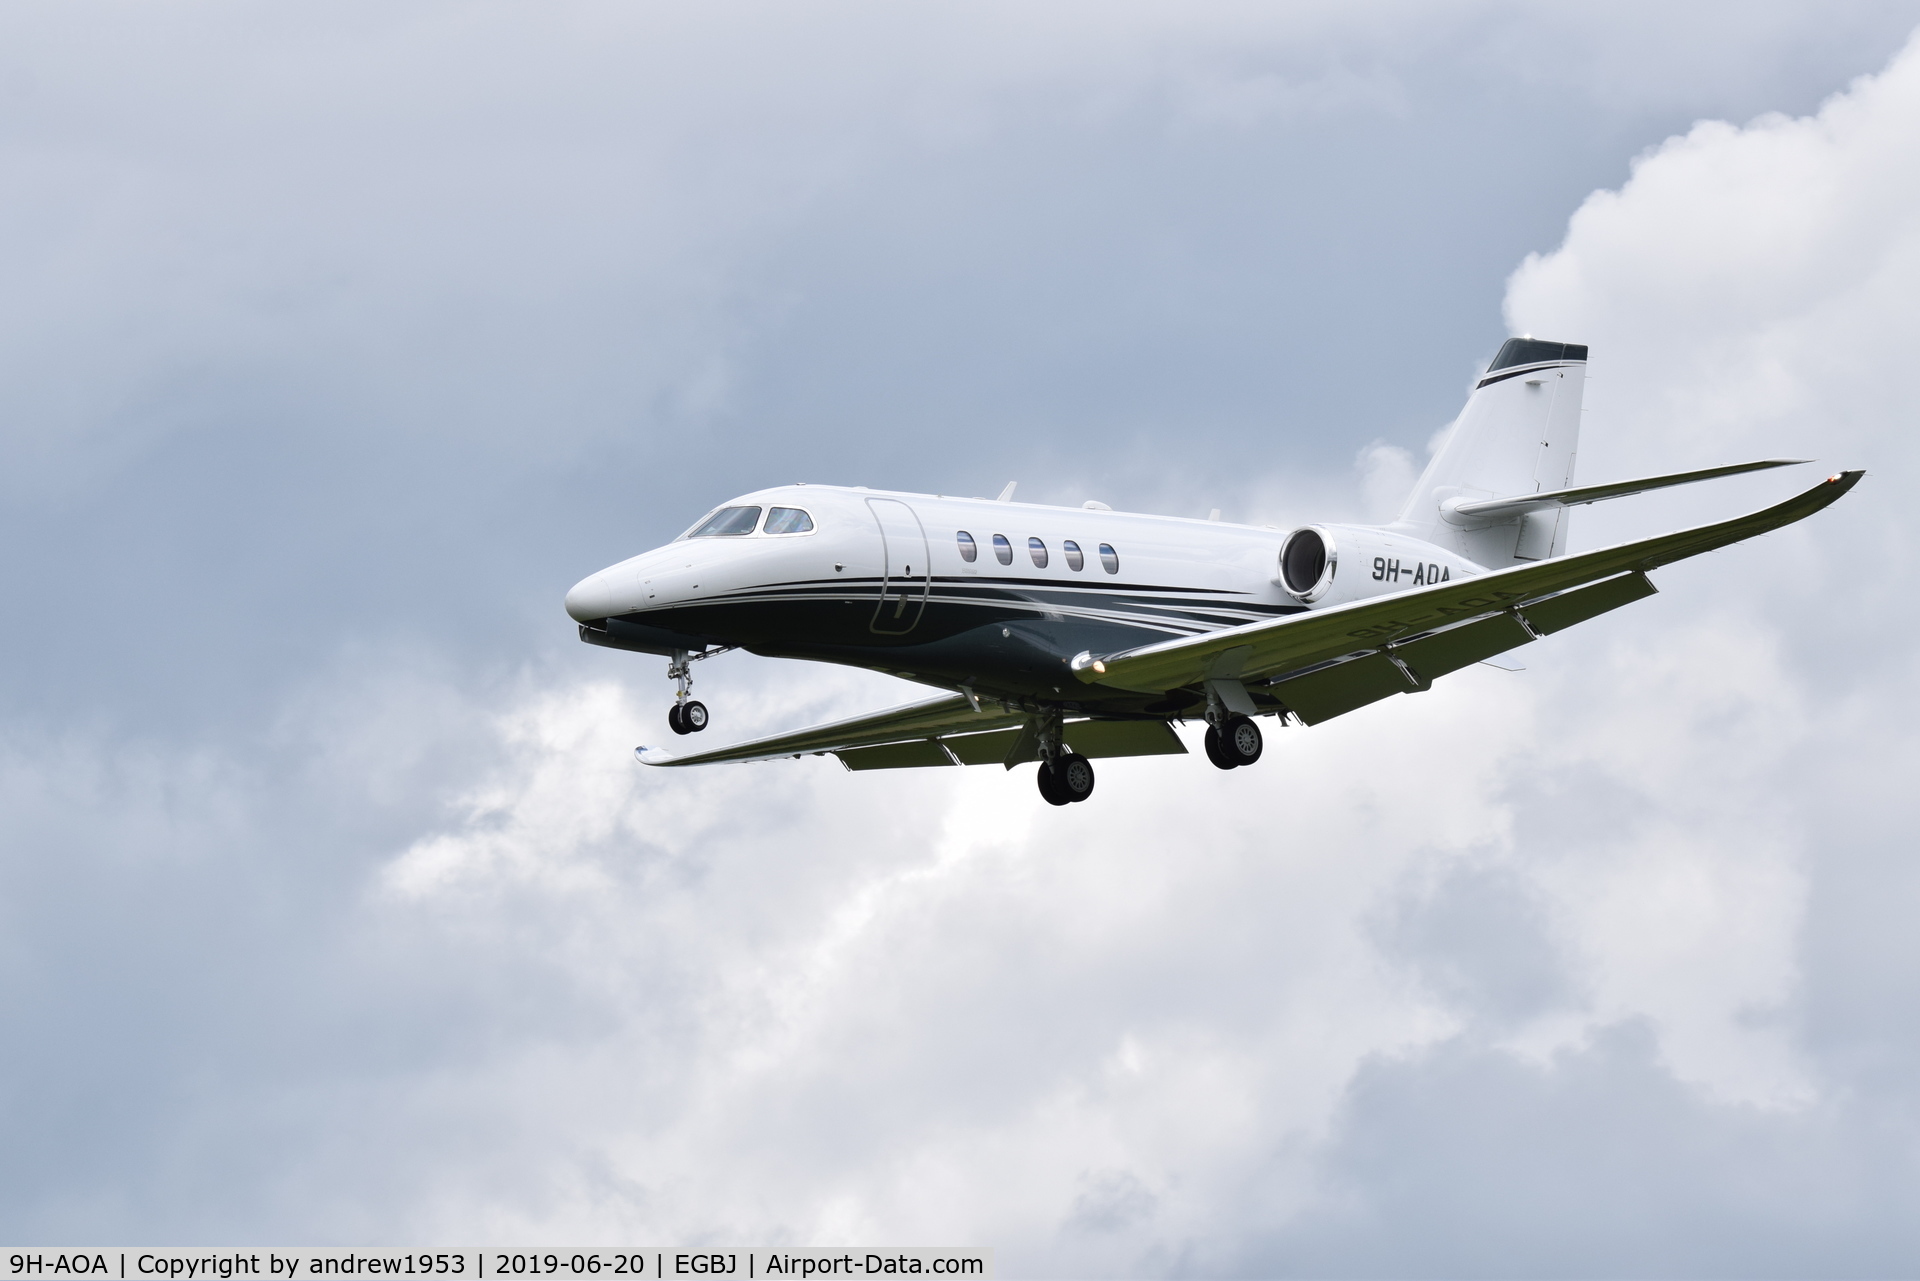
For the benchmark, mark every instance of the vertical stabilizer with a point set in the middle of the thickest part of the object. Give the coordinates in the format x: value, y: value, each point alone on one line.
x: 1517, y: 435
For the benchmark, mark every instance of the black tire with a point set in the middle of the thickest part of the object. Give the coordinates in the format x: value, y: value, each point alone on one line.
x: 1243, y: 741
x: 674, y: 722
x: 1217, y: 749
x: 693, y: 714
x: 1049, y: 788
x: 1073, y: 776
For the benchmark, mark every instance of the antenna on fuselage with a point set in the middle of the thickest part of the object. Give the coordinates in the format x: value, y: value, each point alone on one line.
x: 1006, y: 495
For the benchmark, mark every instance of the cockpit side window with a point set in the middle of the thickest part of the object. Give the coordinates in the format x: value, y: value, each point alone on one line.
x: 728, y: 522
x: 788, y: 520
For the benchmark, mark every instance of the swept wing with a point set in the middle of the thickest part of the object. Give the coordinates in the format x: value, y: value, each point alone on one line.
x: 1378, y: 626
x: 924, y: 720
x: 948, y: 730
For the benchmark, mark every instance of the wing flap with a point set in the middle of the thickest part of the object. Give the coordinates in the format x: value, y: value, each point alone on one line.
x: 1557, y: 613
x: 1123, y: 738
x: 1442, y: 653
x: 1327, y: 692
x: 1334, y: 691
x: 983, y: 749
x: 915, y: 753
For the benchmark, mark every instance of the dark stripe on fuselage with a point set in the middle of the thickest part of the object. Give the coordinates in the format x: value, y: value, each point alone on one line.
x: 1182, y: 617
x: 999, y: 636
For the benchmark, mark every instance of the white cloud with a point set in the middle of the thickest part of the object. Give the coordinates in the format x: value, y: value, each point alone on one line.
x: 1387, y: 473
x: 947, y: 986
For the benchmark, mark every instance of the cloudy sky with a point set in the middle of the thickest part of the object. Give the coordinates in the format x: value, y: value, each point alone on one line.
x: 337, y: 341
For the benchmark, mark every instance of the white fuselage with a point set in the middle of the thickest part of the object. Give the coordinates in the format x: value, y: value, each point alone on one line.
x: 882, y: 580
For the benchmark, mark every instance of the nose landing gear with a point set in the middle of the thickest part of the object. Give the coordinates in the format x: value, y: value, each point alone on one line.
x: 688, y: 715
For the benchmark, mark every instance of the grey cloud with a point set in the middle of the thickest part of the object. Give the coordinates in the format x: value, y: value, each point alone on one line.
x: 1479, y: 937
x: 1110, y: 1201
x: 1468, y: 1161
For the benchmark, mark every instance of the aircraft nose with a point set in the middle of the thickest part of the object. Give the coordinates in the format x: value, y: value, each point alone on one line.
x: 590, y: 598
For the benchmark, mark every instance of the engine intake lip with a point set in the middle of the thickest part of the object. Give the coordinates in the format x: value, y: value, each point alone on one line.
x: 1307, y: 562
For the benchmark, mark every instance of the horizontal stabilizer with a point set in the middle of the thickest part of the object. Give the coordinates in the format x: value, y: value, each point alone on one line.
x: 1458, y: 511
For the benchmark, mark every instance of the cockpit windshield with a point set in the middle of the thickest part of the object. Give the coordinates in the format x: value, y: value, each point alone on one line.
x: 728, y: 522
x: 788, y: 520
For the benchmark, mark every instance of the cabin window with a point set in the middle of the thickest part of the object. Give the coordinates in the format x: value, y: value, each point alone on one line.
x: 1002, y: 549
x: 1074, y: 559
x: 969, y: 549
x: 1109, y: 558
x: 728, y: 522
x: 788, y: 520
x: 1037, y: 550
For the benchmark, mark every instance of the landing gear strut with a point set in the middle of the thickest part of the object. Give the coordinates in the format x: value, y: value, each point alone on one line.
x: 688, y: 715
x: 1065, y: 777
x: 1232, y: 740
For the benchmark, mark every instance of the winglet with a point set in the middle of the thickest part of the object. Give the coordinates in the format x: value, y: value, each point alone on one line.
x: 1006, y: 495
x: 653, y: 756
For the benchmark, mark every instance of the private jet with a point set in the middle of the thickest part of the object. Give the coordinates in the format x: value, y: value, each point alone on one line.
x: 1061, y: 635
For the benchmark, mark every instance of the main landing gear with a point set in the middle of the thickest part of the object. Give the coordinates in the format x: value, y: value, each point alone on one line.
x: 1232, y: 740
x: 1240, y: 745
x: 688, y: 715
x: 1066, y: 779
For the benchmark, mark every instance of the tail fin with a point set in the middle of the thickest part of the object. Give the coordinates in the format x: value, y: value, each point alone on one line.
x: 1517, y: 435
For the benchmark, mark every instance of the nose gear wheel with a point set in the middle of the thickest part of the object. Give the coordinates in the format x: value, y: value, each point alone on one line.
x: 688, y: 715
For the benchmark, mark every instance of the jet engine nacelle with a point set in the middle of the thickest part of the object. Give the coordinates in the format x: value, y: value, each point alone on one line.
x: 1332, y: 564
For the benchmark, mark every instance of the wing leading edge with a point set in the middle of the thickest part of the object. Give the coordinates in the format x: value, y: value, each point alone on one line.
x: 1381, y: 627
